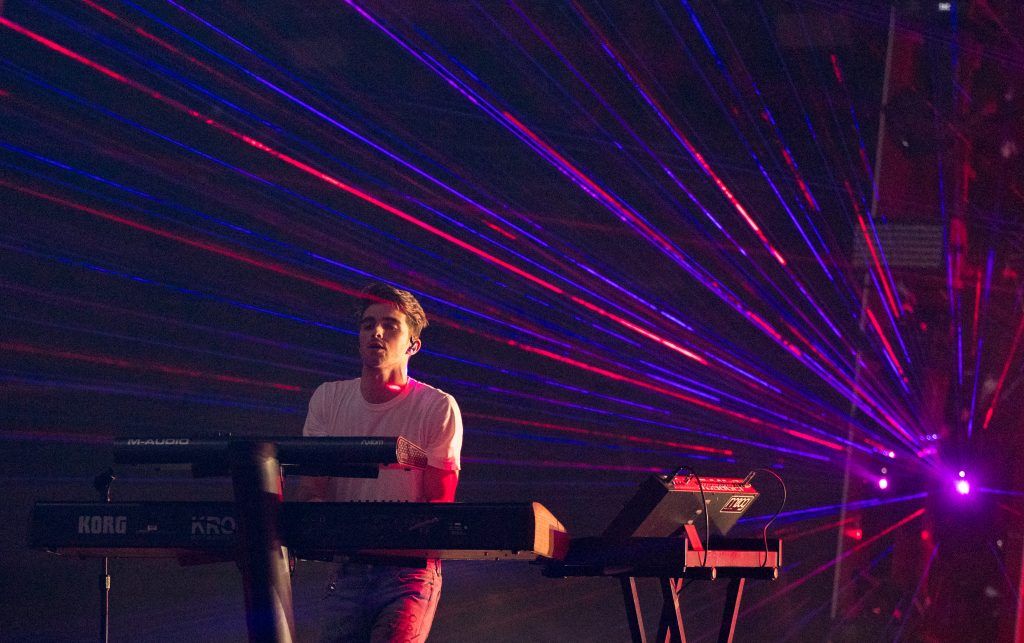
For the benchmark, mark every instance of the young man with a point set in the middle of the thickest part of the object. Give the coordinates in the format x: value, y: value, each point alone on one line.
x: 374, y: 602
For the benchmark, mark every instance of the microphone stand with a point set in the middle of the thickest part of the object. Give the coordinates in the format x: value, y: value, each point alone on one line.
x: 102, y: 484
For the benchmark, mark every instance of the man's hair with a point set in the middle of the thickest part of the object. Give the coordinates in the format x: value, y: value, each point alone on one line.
x: 377, y: 293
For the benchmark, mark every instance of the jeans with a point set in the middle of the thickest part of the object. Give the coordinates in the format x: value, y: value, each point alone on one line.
x: 376, y: 603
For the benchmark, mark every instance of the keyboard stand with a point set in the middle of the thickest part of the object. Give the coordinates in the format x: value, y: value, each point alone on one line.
x: 262, y: 557
x: 670, y: 624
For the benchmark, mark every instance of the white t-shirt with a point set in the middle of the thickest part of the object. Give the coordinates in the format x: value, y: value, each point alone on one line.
x: 427, y: 416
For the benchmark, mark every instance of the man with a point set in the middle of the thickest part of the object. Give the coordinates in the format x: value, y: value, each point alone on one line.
x: 381, y: 602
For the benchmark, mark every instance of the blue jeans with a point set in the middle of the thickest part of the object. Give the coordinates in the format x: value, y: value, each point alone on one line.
x: 379, y: 603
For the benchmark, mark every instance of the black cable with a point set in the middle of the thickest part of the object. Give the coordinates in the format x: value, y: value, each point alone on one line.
x: 704, y: 509
x: 764, y: 532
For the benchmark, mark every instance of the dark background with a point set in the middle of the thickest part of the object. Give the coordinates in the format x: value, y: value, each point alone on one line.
x: 724, y: 235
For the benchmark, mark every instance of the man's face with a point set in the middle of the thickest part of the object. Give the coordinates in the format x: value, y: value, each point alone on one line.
x: 384, y: 339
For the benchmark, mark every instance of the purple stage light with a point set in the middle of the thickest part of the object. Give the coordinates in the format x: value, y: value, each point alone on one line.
x: 963, y: 487
x: 883, y: 483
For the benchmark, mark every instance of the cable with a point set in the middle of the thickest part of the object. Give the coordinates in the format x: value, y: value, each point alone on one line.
x: 704, y: 510
x: 764, y: 532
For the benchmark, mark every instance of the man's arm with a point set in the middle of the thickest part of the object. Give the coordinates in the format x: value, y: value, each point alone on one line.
x: 314, y: 488
x: 439, y: 485
x: 443, y: 447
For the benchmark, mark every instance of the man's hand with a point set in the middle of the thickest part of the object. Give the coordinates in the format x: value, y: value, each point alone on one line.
x: 439, y: 485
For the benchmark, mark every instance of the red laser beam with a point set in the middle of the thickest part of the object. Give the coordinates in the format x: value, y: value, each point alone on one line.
x: 350, y: 189
x: 105, y: 360
x: 604, y: 434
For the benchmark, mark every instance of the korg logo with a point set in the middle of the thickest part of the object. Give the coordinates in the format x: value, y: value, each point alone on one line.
x: 156, y: 441
x: 213, y: 525
x: 737, y: 504
x: 103, y: 524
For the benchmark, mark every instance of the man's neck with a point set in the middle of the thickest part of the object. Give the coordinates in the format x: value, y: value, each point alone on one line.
x: 379, y: 386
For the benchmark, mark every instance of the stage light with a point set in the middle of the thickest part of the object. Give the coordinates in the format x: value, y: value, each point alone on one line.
x: 854, y: 533
x: 1009, y: 148
x: 963, y: 487
x: 883, y: 483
